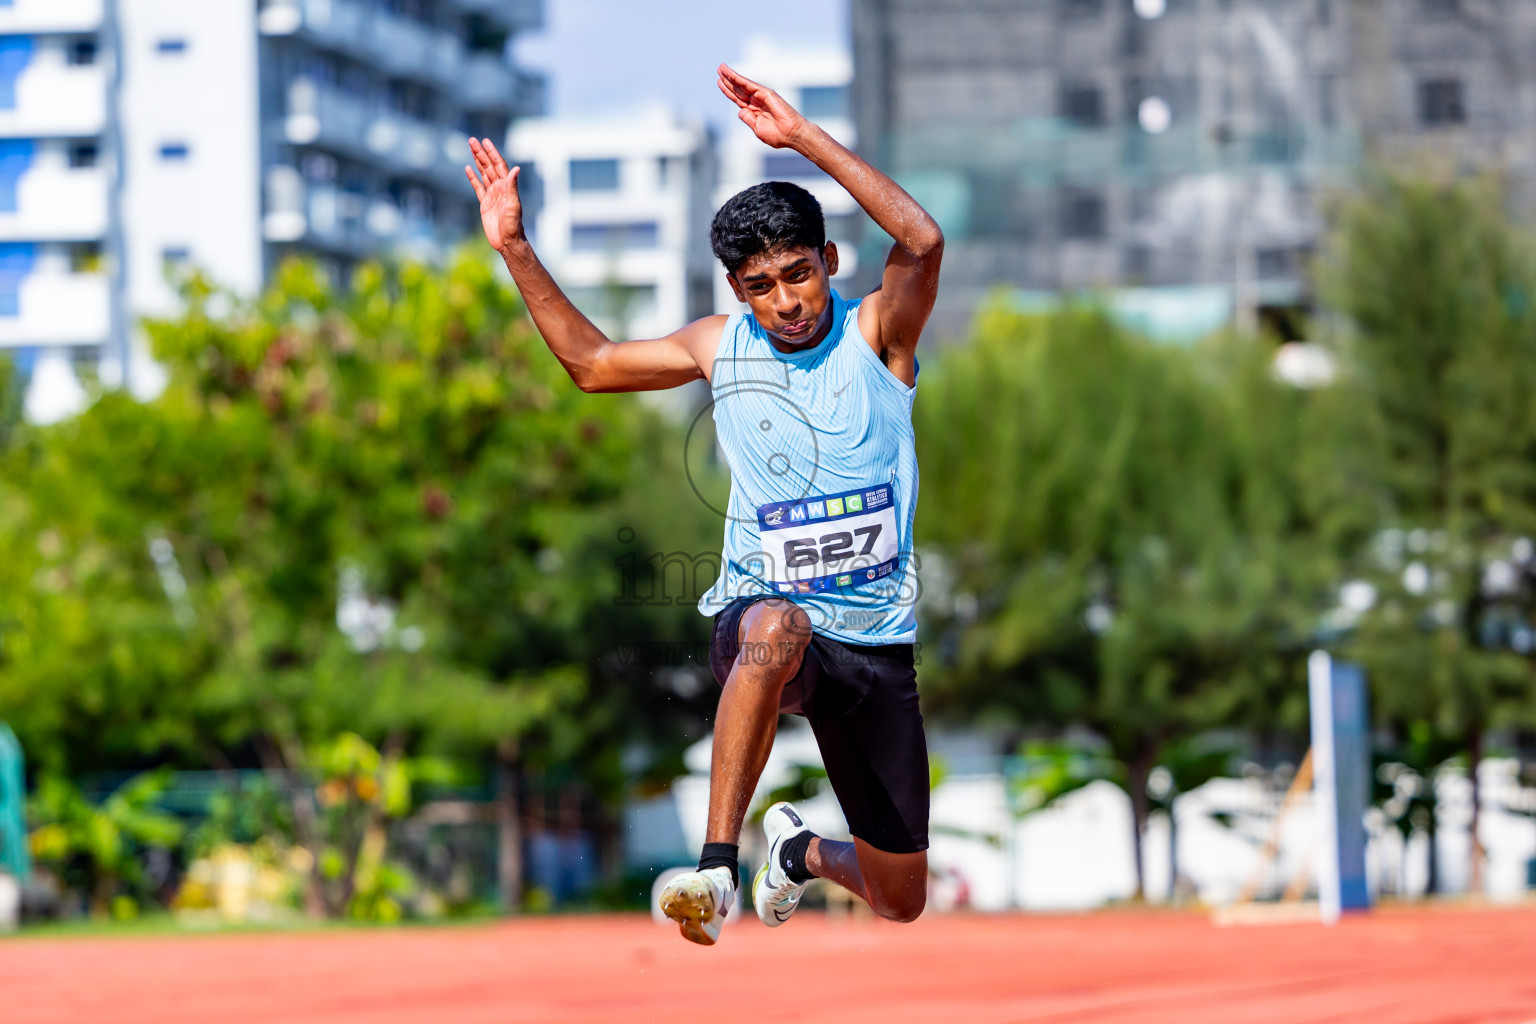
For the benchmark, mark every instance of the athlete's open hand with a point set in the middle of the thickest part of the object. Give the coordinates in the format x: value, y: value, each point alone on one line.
x: 501, y: 210
x: 771, y: 119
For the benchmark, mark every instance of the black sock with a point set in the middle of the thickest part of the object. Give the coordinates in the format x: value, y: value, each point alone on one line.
x: 721, y: 855
x: 792, y: 857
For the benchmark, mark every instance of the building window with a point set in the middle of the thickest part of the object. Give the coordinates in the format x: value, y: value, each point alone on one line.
x: 482, y: 126
x: 1083, y: 105
x: 1133, y: 38
x: 81, y: 52
x: 320, y: 69
x: 15, y: 160
x: 482, y: 35
x: 839, y: 226
x: 83, y: 154
x: 1083, y: 217
x: 788, y: 166
x: 413, y: 200
x: 1274, y: 264
x: 530, y: 185
x: 1440, y: 102
x: 1327, y: 100
x: 594, y: 175
x: 15, y: 55
x: 174, y: 151
x: 16, y: 260
x: 171, y: 47
x: 661, y: 171
x: 824, y: 101
x: 1143, y: 203
x: 85, y: 258
x: 404, y: 97
x: 1136, y: 264
x: 609, y: 237
x: 614, y: 303
x: 1275, y: 144
x: 318, y: 168
x: 175, y: 258
x: 998, y: 207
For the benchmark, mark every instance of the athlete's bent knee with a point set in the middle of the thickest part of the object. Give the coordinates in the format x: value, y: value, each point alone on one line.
x: 778, y: 629
x: 774, y: 619
x: 903, y: 908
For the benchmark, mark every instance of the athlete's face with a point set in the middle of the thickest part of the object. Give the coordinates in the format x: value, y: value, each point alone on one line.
x: 790, y: 293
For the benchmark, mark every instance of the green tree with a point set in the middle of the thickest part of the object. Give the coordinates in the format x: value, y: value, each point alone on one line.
x: 1441, y: 292
x: 10, y: 399
x: 1403, y: 787
x: 99, y: 847
x: 1125, y: 534
x: 382, y: 510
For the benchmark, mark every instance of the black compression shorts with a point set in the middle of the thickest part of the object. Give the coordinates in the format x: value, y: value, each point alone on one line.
x: 863, y: 708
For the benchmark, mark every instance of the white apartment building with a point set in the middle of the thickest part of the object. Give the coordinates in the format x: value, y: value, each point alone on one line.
x: 621, y: 215
x: 56, y: 223
x: 817, y: 83
x: 139, y: 138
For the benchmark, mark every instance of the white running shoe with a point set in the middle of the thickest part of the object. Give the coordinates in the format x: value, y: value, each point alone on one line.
x: 699, y: 902
x: 774, y: 895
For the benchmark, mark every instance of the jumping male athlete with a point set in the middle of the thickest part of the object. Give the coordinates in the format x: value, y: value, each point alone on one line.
x: 813, y: 608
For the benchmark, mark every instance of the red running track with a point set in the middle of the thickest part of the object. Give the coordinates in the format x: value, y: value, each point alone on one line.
x: 1428, y: 966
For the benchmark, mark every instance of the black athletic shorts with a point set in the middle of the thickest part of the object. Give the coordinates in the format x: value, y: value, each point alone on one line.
x: 862, y: 706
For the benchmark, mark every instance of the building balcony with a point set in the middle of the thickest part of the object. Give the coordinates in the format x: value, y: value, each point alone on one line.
x: 532, y: 94
x: 327, y: 218
x: 322, y: 116
x: 333, y: 24
x: 485, y: 82
x: 419, y: 150
x: 60, y: 309
x: 57, y: 205
x: 517, y: 15
x: 403, y: 143
x: 1043, y: 151
x: 347, y: 223
x: 410, y: 49
x: 39, y: 17
x: 402, y: 47
x: 57, y: 101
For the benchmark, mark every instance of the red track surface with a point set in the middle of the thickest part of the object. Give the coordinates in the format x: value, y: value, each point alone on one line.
x: 1393, y: 967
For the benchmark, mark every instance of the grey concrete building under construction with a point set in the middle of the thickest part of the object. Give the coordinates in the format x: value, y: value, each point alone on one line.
x: 1177, y: 154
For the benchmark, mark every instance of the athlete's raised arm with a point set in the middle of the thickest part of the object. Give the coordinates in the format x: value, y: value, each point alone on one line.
x: 911, y: 278
x: 594, y: 362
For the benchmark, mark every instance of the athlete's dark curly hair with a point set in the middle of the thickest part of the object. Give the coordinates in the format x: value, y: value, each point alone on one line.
x: 764, y: 218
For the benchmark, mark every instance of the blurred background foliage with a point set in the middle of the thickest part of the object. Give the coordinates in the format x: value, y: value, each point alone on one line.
x: 381, y: 512
x: 1146, y: 541
x: 1129, y: 539
x: 370, y: 541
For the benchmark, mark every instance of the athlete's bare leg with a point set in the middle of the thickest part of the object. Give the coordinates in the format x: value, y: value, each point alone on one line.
x: 773, y: 637
x: 895, y: 885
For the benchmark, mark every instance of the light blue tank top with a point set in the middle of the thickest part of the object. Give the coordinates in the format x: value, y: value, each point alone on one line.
x: 823, y: 480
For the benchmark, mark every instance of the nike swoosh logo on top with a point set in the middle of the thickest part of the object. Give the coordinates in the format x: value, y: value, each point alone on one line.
x: 783, y: 917
x: 839, y: 394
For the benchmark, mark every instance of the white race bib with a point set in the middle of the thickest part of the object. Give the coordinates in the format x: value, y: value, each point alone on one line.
x: 829, y: 542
